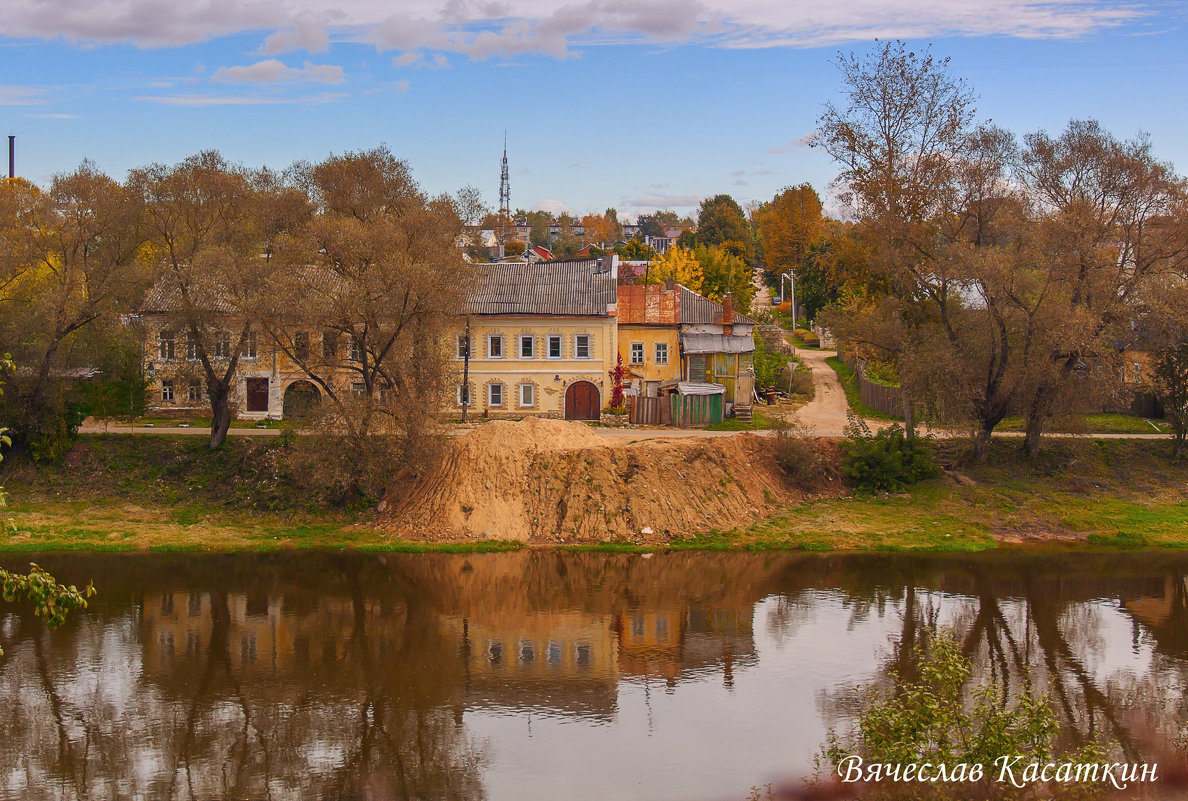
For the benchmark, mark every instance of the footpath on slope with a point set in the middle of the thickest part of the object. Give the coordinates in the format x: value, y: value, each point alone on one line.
x: 825, y: 414
x: 550, y: 481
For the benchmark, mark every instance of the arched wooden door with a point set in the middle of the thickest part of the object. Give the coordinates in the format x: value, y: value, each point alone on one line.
x: 581, y: 401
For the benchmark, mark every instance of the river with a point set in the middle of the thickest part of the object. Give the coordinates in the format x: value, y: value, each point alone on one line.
x: 545, y: 675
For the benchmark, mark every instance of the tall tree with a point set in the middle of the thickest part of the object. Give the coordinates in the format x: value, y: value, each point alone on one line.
x: 365, y: 297
x: 720, y: 221
x: 677, y: 264
x: 79, y: 246
x: 788, y: 228
x: 723, y: 272
x: 213, y: 226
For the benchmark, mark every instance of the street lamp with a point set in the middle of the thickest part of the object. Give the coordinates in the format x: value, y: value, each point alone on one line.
x: 791, y: 276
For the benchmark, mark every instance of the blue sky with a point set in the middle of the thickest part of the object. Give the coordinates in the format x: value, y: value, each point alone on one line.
x: 636, y: 104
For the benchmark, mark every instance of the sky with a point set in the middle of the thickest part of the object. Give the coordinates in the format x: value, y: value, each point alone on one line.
x: 635, y: 104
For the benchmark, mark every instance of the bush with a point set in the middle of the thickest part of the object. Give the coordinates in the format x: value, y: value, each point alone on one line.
x: 802, y: 381
x: 801, y: 333
x: 812, y: 340
x: 886, y: 460
x: 800, y: 456
x: 930, y: 716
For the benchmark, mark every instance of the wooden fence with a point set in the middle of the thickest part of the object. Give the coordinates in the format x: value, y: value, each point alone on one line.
x: 680, y: 410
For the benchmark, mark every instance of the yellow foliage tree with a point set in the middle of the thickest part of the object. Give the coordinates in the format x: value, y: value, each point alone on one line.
x: 679, y: 264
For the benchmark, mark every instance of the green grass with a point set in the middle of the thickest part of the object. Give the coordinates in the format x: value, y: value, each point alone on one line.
x: 759, y: 422
x: 194, y: 422
x: 849, y: 382
x: 1093, y: 424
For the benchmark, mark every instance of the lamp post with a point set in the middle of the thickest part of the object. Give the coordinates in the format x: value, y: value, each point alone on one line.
x: 792, y: 286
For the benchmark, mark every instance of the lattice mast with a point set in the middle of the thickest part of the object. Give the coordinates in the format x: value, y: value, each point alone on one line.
x: 505, y: 219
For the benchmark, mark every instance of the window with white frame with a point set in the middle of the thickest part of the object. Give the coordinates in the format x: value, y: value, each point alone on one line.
x: 554, y: 346
x: 359, y: 388
x: 661, y: 353
x: 191, y: 346
x: 463, y: 395
x: 248, y: 351
x: 495, y: 346
x: 223, y: 345
x: 527, y: 395
x: 637, y: 353
x: 463, y: 346
x: 166, y: 392
x: 526, y: 347
x: 165, y: 346
x: 356, y: 350
x: 194, y: 392
x: 495, y: 394
x: 581, y: 346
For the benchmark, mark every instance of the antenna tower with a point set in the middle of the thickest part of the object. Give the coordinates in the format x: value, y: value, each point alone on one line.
x: 504, y: 188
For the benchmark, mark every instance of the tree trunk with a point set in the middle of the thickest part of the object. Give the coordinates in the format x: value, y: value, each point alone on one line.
x: 220, y: 421
x: 981, y: 442
x: 909, y: 421
x: 1031, y: 441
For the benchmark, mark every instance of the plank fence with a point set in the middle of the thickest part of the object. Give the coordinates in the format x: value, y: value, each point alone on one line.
x: 680, y: 410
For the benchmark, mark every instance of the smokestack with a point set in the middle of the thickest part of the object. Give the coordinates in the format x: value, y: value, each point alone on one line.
x: 11, y: 156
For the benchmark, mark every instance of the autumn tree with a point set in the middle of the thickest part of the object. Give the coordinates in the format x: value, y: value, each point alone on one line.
x: 602, y: 228
x: 79, y: 267
x: 677, y: 264
x: 363, y: 300
x: 214, y: 228
x: 929, y: 189
x: 789, y: 227
x: 720, y: 221
x: 723, y: 272
x: 1111, y: 232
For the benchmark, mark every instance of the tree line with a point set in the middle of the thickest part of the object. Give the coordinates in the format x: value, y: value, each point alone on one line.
x: 229, y: 259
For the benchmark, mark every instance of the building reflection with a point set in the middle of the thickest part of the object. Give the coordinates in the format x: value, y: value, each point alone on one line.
x: 316, y: 676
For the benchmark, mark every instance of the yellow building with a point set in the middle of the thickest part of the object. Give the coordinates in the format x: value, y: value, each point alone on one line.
x: 649, y: 336
x: 538, y: 339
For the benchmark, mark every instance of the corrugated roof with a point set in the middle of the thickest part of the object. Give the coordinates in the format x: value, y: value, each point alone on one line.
x: 697, y: 309
x: 165, y: 296
x: 716, y: 343
x: 565, y: 288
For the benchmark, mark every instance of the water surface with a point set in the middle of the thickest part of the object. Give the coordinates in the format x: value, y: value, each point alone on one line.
x: 541, y: 675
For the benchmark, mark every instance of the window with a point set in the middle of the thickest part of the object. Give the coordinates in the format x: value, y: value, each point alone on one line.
x: 356, y: 354
x: 330, y: 345
x: 661, y: 353
x: 166, y: 392
x: 637, y: 356
x: 165, y: 346
x: 194, y: 392
x: 358, y: 387
x: 581, y: 346
x: 526, y: 347
x: 495, y: 347
x: 527, y: 395
x: 495, y: 394
x: 223, y: 345
x: 248, y: 351
x: 554, y: 347
x: 191, y: 346
x: 463, y: 395
x: 301, y: 346
x: 463, y: 346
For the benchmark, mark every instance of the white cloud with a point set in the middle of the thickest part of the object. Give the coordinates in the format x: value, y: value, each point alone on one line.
x: 414, y: 59
x: 195, y: 101
x: 485, y: 28
x: 798, y: 143
x: 553, y: 205
x: 306, y: 34
x: 21, y: 96
x: 273, y: 71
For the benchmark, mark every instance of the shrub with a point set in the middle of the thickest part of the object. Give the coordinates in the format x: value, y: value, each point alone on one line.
x: 886, y: 460
x: 802, y: 381
x: 812, y: 340
x: 931, y: 717
x: 798, y: 453
x: 801, y: 333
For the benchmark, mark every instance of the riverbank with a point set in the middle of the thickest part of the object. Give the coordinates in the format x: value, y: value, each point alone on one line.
x: 120, y: 493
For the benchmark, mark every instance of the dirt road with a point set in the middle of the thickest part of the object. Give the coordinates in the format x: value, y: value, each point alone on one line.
x: 825, y: 414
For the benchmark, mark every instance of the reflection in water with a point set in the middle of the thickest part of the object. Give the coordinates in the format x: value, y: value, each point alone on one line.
x: 531, y: 675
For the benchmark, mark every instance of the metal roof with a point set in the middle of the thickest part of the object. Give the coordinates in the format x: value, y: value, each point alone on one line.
x: 716, y: 343
x: 563, y: 288
x: 698, y: 309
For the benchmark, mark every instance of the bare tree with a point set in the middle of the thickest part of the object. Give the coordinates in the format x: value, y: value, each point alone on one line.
x: 212, y: 226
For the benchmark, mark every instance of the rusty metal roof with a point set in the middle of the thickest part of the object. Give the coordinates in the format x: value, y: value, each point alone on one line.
x: 648, y: 305
x: 562, y: 288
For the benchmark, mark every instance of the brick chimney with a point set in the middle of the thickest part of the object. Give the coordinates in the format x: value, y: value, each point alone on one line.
x: 727, y: 315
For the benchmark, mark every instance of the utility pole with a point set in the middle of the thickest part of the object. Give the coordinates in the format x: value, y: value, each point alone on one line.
x: 466, y: 372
